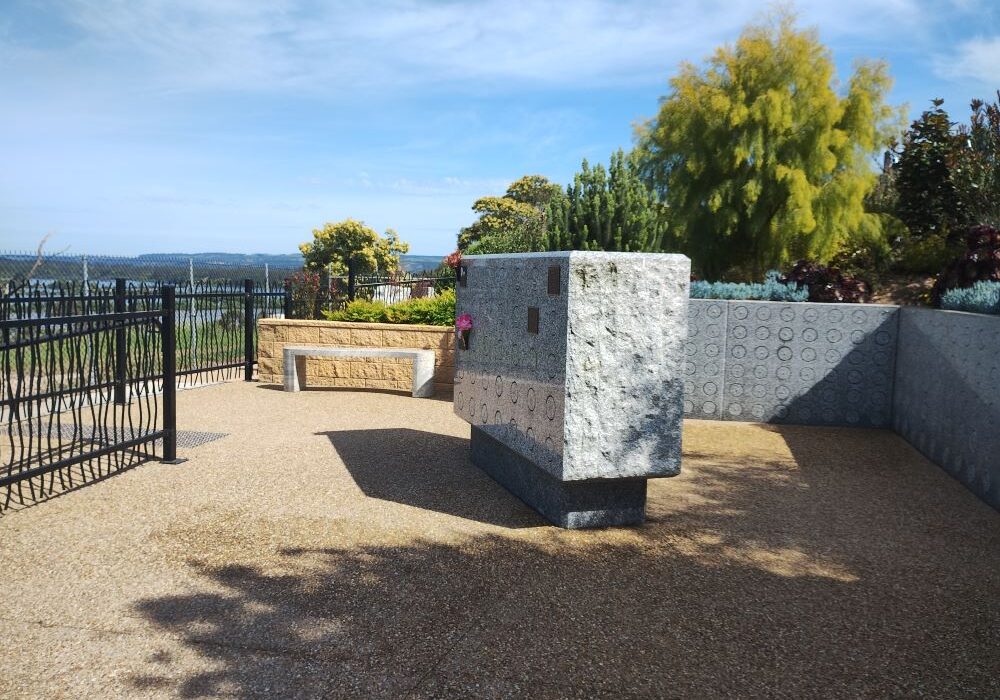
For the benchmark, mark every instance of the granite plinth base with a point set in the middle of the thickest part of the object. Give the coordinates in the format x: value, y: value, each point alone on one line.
x: 571, y: 505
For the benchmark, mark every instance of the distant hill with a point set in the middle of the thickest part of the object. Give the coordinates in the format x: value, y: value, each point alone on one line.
x: 293, y: 261
x: 418, y: 263
x: 410, y: 263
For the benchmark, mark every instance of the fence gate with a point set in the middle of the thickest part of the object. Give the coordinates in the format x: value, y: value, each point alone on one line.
x: 85, y: 393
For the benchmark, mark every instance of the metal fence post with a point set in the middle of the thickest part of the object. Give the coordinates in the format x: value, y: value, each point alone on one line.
x: 351, y: 282
x: 121, y: 343
x: 288, y: 303
x: 191, y: 314
x: 168, y: 339
x: 248, y: 324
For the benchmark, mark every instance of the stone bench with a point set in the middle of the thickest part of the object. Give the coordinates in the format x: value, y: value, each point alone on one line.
x: 295, y: 364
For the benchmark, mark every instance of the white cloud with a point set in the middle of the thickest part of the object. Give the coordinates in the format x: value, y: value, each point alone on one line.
x: 344, y: 48
x: 974, y: 59
x: 227, y: 120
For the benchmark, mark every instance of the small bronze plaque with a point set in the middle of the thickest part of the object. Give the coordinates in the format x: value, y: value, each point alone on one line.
x: 533, y: 319
x: 463, y: 276
x: 554, y: 280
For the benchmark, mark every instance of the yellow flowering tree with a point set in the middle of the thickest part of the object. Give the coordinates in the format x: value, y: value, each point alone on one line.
x: 759, y: 160
x: 350, y: 246
x: 513, y: 223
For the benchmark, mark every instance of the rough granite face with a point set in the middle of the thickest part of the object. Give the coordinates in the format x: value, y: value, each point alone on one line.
x: 597, y: 392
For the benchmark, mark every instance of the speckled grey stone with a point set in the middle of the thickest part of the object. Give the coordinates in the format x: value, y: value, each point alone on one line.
x: 509, y: 382
x: 625, y: 341
x: 596, y: 393
x: 568, y: 504
x: 809, y: 364
x: 947, y: 398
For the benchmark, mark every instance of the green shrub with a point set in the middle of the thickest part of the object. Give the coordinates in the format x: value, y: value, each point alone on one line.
x: 444, y: 277
x: 924, y: 256
x: 360, y: 311
x: 980, y: 298
x: 771, y: 289
x: 438, y: 310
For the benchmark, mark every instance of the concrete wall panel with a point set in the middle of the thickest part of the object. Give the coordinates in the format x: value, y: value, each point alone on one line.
x: 811, y: 364
x: 947, y: 399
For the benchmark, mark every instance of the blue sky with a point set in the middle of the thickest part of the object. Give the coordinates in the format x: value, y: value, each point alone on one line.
x: 131, y: 126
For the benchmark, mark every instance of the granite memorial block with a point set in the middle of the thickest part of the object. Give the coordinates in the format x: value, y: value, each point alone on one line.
x: 572, y: 380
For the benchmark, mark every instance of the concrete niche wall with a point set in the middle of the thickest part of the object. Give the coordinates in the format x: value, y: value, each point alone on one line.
x: 947, y: 399
x: 572, y: 377
x: 814, y: 364
x: 933, y: 376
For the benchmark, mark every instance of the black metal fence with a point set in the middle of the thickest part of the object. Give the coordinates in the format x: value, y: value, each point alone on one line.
x: 84, y: 396
x: 88, y: 373
x: 397, y: 287
x: 216, y: 323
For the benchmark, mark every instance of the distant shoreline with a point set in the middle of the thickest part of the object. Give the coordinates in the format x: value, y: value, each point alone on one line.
x: 410, y: 263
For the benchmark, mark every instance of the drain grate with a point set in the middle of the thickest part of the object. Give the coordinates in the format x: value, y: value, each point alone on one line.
x: 194, y: 438
x: 88, y: 433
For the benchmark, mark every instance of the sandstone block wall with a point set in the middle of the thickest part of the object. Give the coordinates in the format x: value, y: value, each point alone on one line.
x: 360, y: 373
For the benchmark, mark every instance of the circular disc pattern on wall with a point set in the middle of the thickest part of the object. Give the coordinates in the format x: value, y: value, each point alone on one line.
x: 797, y: 356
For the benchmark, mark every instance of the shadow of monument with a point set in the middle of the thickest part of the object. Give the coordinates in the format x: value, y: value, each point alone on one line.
x: 430, y: 471
x: 857, y: 391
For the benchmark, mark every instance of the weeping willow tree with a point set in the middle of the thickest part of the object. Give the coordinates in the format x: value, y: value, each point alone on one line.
x: 759, y: 160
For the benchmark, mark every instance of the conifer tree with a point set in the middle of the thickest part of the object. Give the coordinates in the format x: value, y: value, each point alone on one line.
x: 611, y: 209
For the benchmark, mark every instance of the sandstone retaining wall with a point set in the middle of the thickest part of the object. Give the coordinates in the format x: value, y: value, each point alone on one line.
x: 359, y: 373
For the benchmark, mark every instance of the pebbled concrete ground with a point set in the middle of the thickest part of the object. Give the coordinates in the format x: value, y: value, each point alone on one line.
x: 340, y: 544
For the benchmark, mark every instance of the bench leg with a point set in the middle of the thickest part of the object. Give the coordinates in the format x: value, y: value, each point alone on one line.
x: 289, y: 375
x: 423, y: 378
x: 294, y: 372
x: 300, y: 371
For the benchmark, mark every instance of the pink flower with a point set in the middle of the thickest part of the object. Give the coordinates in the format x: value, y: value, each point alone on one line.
x: 464, y: 322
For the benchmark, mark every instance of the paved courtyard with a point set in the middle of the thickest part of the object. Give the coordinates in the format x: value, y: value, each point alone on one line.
x: 341, y: 544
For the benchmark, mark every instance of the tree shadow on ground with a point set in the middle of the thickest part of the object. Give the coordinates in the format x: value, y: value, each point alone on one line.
x: 430, y: 471
x: 753, y: 578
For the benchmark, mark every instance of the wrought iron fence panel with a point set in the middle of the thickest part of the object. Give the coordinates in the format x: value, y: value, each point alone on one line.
x: 82, y: 364
x: 210, y: 342
x: 216, y: 322
x: 60, y: 423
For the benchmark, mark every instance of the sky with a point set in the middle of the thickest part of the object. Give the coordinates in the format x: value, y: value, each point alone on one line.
x: 133, y: 126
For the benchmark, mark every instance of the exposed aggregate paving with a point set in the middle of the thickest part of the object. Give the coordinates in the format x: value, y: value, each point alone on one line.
x: 340, y: 544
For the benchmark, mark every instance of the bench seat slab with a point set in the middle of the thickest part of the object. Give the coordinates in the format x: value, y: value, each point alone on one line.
x: 294, y: 357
